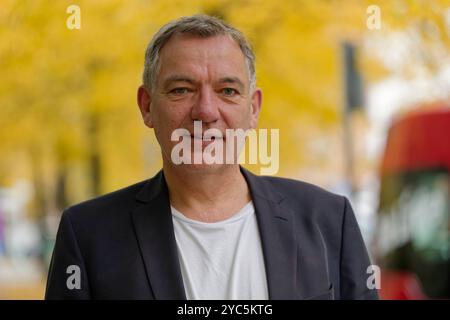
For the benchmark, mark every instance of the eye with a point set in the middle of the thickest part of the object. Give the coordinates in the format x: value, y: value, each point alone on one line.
x: 179, y: 91
x: 229, y: 92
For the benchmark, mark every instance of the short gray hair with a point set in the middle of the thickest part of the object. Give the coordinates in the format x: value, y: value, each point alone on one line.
x: 199, y: 25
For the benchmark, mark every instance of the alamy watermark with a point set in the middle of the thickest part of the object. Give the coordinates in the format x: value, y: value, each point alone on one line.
x: 374, y: 279
x: 74, y: 279
x: 74, y: 19
x: 216, y: 147
x: 373, y: 21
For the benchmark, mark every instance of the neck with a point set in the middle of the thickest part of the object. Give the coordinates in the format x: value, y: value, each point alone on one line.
x: 209, y: 195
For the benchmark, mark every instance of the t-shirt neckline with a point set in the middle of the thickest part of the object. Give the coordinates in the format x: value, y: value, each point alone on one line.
x: 243, y: 212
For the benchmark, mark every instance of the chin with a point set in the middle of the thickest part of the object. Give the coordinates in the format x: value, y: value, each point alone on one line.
x: 203, y: 168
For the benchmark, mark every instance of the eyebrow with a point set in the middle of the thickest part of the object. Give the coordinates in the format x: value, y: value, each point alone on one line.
x: 178, y: 78
x: 233, y: 80
x: 183, y: 78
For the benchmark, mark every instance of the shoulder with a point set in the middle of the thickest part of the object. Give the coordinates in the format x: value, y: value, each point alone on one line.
x: 318, y: 214
x: 112, y: 203
x: 309, y: 203
x: 303, y: 191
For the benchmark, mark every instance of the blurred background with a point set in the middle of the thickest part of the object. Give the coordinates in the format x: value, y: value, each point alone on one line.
x: 360, y: 91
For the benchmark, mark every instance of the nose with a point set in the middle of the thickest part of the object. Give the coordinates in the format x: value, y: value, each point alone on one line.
x: 205, y: 108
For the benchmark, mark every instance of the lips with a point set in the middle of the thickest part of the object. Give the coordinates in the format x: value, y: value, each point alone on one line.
x: 205, y: 140
x: 207, y: 137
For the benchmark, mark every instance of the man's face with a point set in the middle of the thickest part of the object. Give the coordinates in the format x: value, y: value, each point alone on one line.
x: 203, y: 79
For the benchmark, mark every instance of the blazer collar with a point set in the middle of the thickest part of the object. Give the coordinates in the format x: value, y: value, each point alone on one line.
x: 154, y: 228
x: 153, y: 225
x: 277, y: 234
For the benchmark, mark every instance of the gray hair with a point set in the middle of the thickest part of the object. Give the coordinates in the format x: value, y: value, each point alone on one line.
x: 199, y: 25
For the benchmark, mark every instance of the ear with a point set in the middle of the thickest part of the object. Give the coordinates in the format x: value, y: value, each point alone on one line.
x: 144, y: 100
x: 256, y: 107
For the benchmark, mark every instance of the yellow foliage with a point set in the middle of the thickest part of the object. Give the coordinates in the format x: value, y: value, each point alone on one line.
x: 68, y: 94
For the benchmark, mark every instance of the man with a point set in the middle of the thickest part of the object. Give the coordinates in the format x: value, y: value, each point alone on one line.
x: 207, y: 231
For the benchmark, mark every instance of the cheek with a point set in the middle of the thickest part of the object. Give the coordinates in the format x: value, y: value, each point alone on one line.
x: 167, y: 120
x: 239, y: 118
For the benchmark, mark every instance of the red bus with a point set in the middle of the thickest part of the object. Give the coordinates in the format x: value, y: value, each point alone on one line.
x: 412, y: 244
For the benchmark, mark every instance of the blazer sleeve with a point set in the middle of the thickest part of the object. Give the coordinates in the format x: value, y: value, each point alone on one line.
x: 67, y: 276
x: 354, y: 260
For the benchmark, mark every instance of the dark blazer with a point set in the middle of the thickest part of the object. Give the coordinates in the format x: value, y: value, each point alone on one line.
x: 124, y: 244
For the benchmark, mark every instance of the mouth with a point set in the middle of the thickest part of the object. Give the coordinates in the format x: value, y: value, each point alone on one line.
x: 206, y: 138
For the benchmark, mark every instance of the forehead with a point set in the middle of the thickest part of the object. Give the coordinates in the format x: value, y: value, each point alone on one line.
x: 197, y: 56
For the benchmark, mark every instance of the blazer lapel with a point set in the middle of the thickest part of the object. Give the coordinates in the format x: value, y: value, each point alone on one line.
x: 294, y: 269
x: 154, y: 229
x: 278, y: 239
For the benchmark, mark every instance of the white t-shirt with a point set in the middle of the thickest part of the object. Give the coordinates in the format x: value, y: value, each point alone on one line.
x: 221, y: 260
